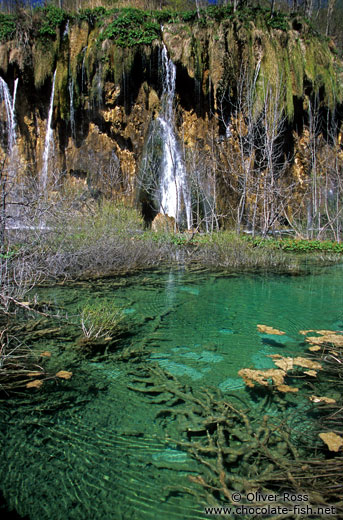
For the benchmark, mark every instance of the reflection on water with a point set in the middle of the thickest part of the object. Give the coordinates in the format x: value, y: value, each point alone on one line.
x: 91, y: 448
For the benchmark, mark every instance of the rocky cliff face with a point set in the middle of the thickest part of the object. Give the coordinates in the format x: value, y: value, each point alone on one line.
x: 106, y: 96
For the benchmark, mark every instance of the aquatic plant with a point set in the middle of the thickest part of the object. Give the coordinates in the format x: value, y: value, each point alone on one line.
x: 229, y: 251
x: 101, y: 320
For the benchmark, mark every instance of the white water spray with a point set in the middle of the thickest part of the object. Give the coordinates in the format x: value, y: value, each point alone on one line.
x: 48, y: 139
x: 6, y: 98
x: 174, y: 191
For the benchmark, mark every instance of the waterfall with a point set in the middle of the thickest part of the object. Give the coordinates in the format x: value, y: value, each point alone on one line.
x: 174, y: 191
x: 97, y: 87
x: 48, y: 139
x: 83, y: 72
x: 71, y: 109
x: 9, y: 103
x: 66, y: 30
x: 15, y: 94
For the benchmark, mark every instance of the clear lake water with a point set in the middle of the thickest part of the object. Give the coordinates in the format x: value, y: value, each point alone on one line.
x: 92, y: 448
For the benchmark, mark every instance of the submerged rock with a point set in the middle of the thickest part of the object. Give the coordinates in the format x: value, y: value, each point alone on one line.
x: 178, y: 369
x: 170, y: 455
x: 205, y: 356
x: 231, y: 383
x: 226, y: 331
x: 190, y: 290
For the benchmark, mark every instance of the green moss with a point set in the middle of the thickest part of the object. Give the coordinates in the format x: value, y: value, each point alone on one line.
x: 269, y: 74
x: 320, y: 71
x: 92, y: 55
x: 310, y: 60
x: 285, y: 61
x: 288, y: 94
x: 197, y: 57
x: 44, y: 58
x: 78, y: 40
x: 61, y: 86
x: 296, y: 61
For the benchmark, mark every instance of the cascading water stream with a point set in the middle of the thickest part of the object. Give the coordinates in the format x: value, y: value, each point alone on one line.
x: 48, y: 139
x: 174, y: 191
x: 83, y: 71
x: 14, y: 95
x: 5, y: 96
x: 66, y: 30
x: 72, y: 111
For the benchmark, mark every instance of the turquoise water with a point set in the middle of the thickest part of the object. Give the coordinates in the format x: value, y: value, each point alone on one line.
x: 94, y: 448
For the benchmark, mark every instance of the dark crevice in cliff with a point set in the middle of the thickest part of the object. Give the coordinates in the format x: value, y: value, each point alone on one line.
x: 124, y: 144
x: 190, y: 93
x: 298, y: 121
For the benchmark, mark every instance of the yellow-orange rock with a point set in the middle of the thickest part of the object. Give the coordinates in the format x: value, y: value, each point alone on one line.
x: 164, y: 224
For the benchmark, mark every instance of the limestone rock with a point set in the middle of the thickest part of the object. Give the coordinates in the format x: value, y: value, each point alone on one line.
x: 163, y: 224
x: 333, y: 441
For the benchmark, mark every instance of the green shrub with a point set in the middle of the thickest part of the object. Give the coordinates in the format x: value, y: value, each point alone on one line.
x: 165, y: 16
x: 131, y: 27
x: 296, y: 245
x: 7, y: 27
x: 52, y: 18
x: 279, y: 21
x: 105, y: 223
x: 304, y: 246
x: 167, y: 238
x: 188, y: 16
x: 92, y: 16
x: 219, y: 13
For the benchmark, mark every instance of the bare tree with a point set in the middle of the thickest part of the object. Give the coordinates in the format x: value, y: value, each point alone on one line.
x: 330, y: 159
x: 330, y: 9
x: 272, y: 160
x: 316, y: 207
x: 253, y: 164
x: 237, y: 146
x: 3, y: 197
x: 201, y: 165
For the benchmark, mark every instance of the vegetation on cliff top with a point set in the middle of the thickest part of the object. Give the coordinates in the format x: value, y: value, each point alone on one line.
x: 325, y: 16
x: 130, y: 26
x: 286, y: 42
